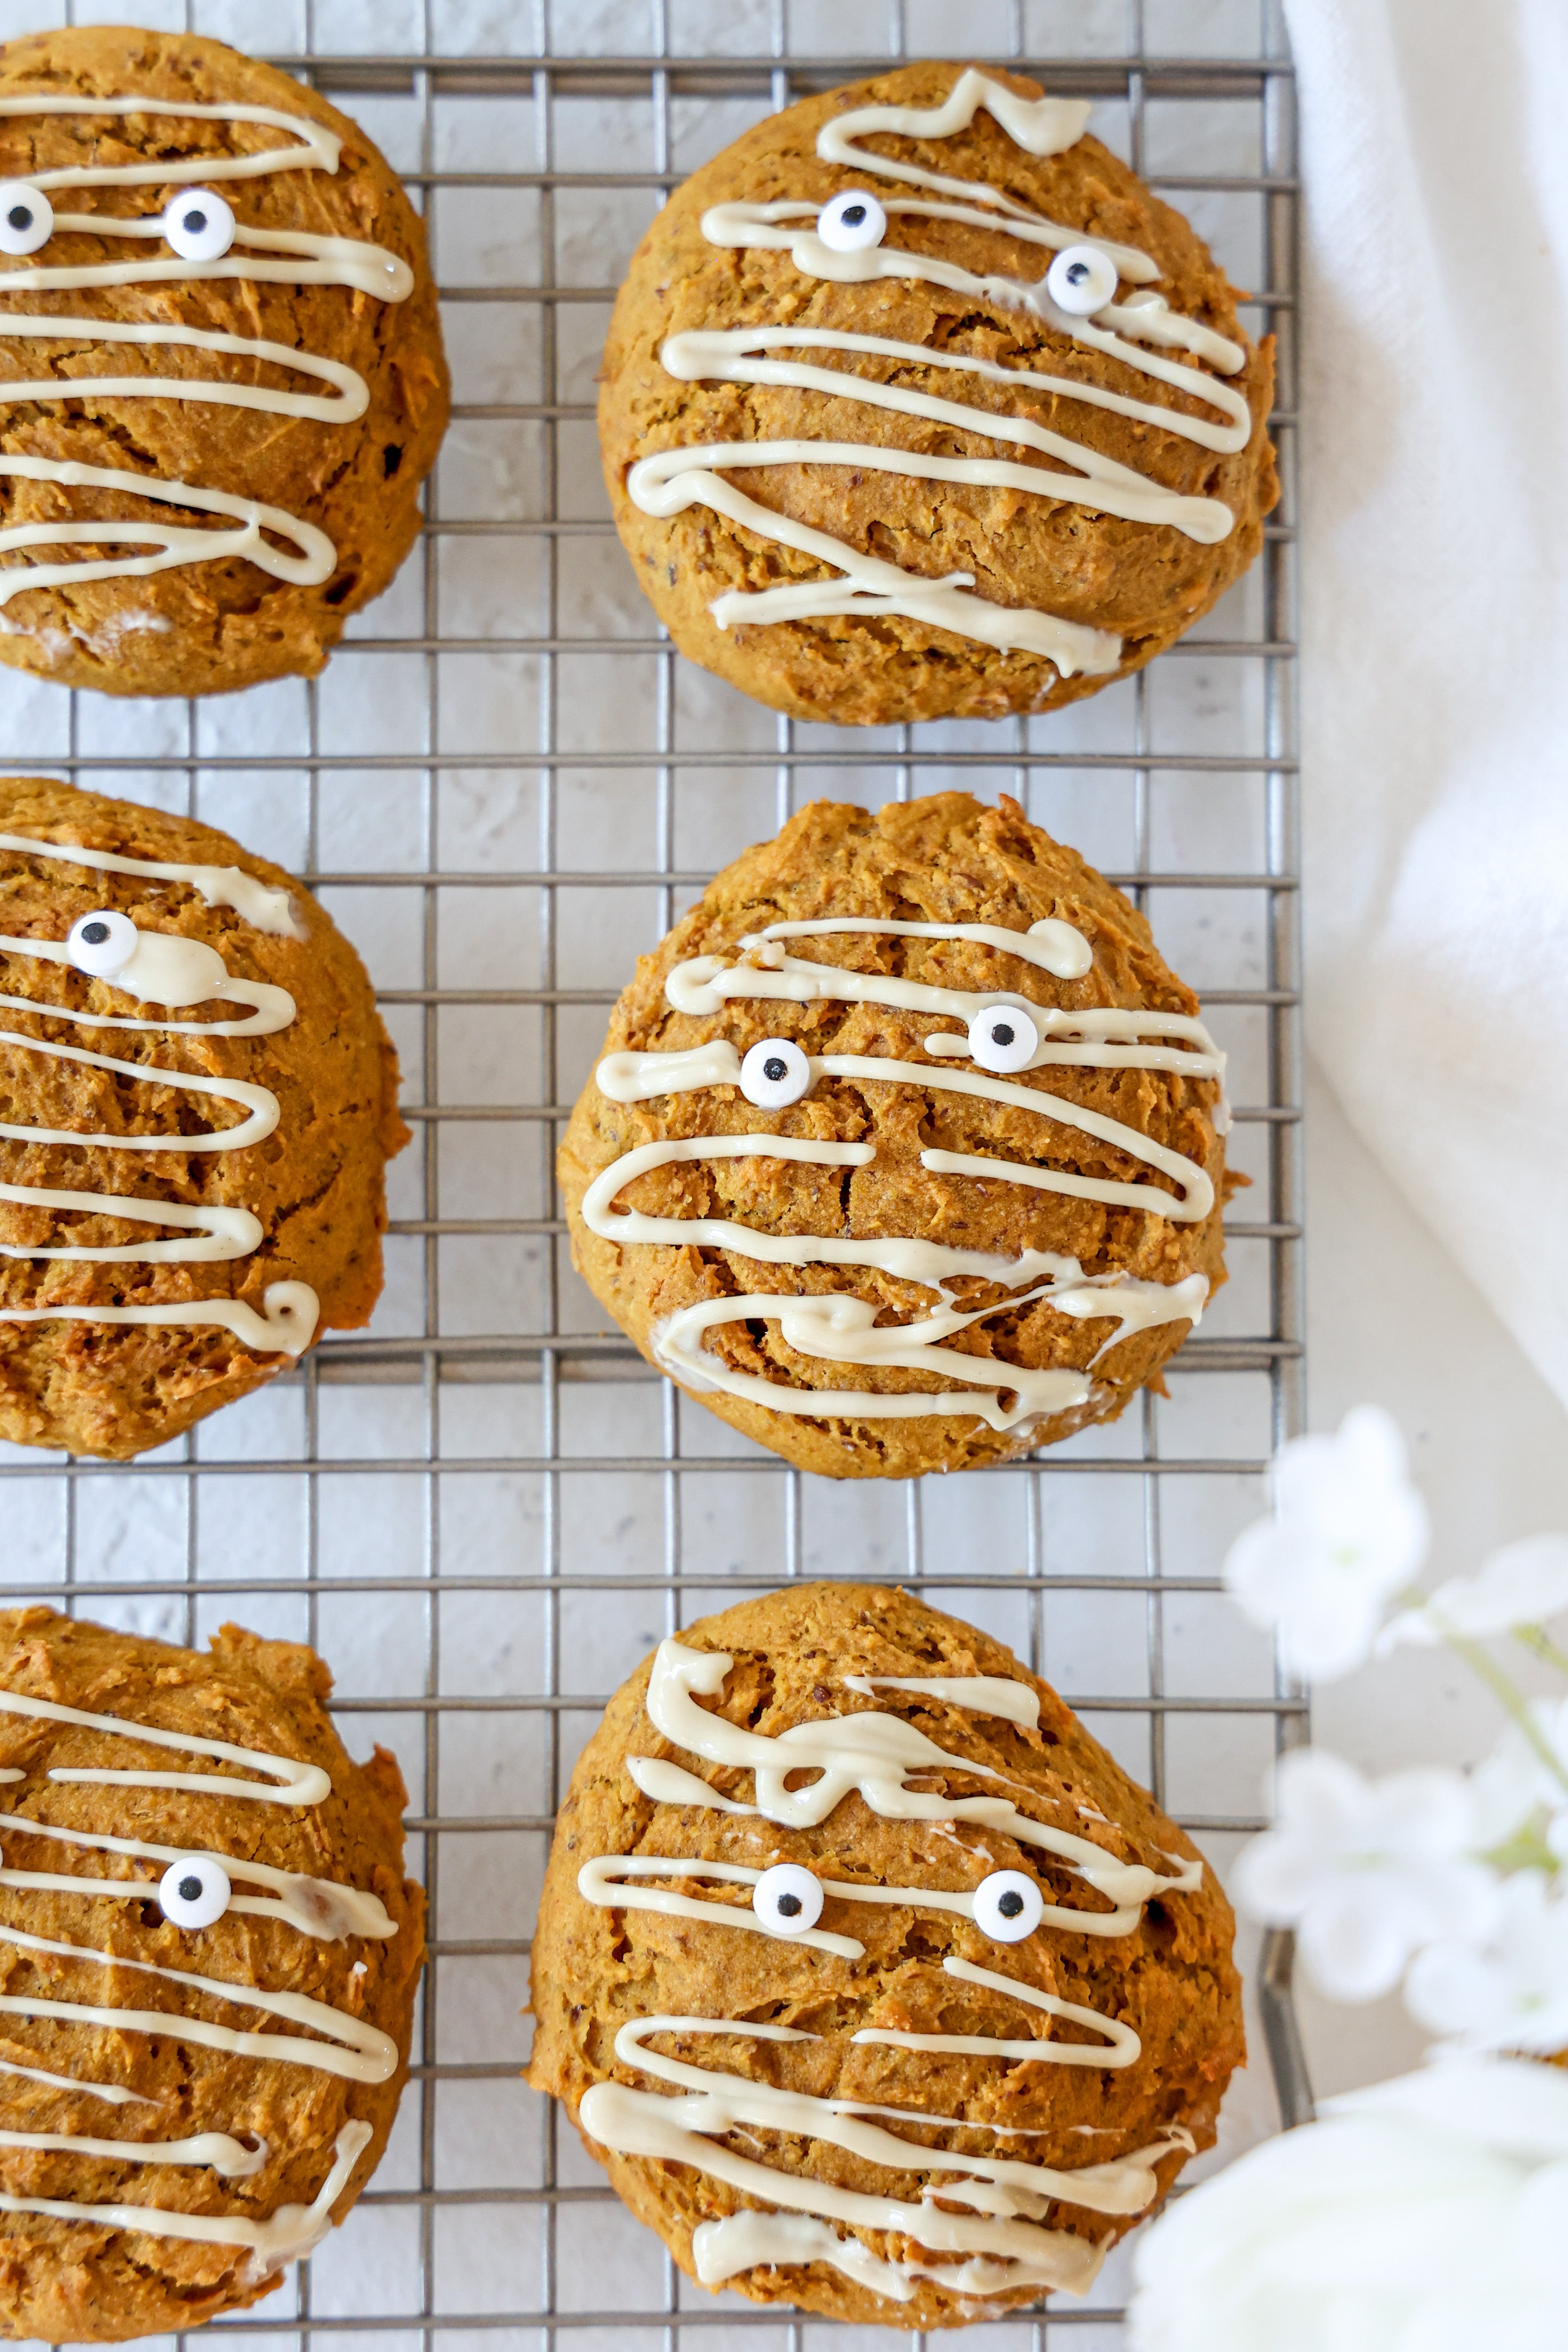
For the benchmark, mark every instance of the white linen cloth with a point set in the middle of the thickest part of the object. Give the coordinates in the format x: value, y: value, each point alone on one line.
x: 1435, y: 525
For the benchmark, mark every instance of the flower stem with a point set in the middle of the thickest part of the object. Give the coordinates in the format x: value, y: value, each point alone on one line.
x: 1505, y: 1690
x: 1539, y: 1642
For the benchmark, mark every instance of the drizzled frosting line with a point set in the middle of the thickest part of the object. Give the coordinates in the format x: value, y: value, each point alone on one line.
x: 287, y: 2236
x: 262, y: 904
x: 110, y: 2094
x: 299, y: 1784
x: 844, y: 1330
x: 219, y: 2150
x: 319, y: 148
x: 362, y: 2052
x: 874, y: 1754
x: 276, y: 256
x: 168, y: 969
x: 316, y: 1906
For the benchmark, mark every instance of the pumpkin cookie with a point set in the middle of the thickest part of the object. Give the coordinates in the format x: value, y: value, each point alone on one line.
x: 221, y: 376
x: 943, y: 2020
x: 906, y: 1149
x: 200, y: 1101
x: 209, y: 1955
x: 916, y: 404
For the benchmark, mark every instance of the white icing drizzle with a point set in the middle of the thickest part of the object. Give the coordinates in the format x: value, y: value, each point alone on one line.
x: 299, y: 1784
x: 274, y: 257
x: 931, y: 1263
x: 1125, y: 2045
x: 996, y: 1694
x: 110, y: 2094
x: 334, y: 2042
x: 225, y: 2155
x: 360, y: 2052
x: 287, y: 2236
x: 1041, y: 126
x: 874, y: 1754
x: 319, y: 148
x: 599, y: 1882
x: 263, y: 907
x: 177, y: 973
x: 999, y: 2241
x: 321, y: 1908
x: 840, y: 1328
x: 1050, y: 944
x: 844, y: 1330
x: 667, y: 481
x: 1007, y: 2197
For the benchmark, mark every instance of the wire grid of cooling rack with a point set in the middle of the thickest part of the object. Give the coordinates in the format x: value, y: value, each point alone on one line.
x: 486, y: 1509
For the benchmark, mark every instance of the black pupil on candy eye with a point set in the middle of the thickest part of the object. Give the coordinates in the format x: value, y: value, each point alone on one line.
x: 852, y: 215
x: 1077, y: 272
x: 194, y: 224
x: 775, y: 1070
x: 94, y: 934
x: 191, y: 1890
x: 789, y: 1905
x: 1010, y: 1904
x: 1002, y: 1033
x: 20, y: 217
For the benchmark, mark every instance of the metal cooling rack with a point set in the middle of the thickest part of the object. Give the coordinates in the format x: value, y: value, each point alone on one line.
x: 487, y: 1509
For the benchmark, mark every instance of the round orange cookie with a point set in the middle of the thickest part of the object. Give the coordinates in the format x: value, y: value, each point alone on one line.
x: 875, y: 1984
x: 978, y: 1203
x: 916, y: 404
x: 221, y: 361
x: 209, y: 1956
x: 200, y: 1101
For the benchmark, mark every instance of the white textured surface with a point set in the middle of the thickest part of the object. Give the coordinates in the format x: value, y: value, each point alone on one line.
x: 1435, y: 273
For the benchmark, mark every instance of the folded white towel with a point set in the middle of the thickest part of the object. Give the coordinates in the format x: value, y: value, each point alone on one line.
x: 1434, y: 451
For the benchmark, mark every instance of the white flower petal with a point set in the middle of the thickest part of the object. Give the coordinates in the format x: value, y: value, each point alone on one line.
x: 1354, y: 1943
x: 1368, y: 1872
x: 1425, y: 2215
x: 1523, y: 1584
x: 1506, y: 1988
x: 1347, y: 1529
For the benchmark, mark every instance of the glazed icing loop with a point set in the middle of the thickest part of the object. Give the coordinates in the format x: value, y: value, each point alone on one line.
x: 1000, y: 2241
x: 838, y: 1329
x: 287, y: 2236
x: 347, y: 2046
x: 872, y: 1754
x: 668, y: 481
x: 316, y: 1906
x: 272, y: 257
x: 264, y: 907
x: 1009, y: 2196
x: 161, y: 968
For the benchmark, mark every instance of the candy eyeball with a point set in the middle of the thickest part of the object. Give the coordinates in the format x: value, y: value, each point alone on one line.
x: 26, y: 217
x: 851, y: 222
x: 788, y: 1899
x: 1008, y: 1906
x: 199, y: 225
x: 1080, y: 280
x: 194, y: 1891
x: 103, y: 944
x: 774, y: 1074
x: 1002, y: 1038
